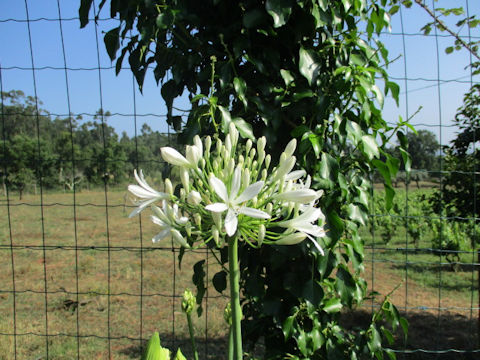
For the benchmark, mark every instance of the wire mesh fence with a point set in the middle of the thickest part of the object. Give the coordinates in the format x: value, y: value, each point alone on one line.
x: 81, y: 280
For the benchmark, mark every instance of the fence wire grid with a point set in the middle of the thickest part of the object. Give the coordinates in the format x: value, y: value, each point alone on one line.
x: 81, y: 280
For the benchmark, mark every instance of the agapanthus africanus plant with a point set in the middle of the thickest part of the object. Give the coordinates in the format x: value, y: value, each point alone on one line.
x: 231, y: 192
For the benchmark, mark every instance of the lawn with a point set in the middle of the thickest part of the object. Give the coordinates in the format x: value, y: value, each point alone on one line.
x: 108, y: 283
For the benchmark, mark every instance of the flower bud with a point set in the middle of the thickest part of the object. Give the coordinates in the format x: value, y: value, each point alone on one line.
x: 188, y: 302
x: 261, y: 144
x: 261, y: 234
x: 231, y: 166
x: 173, y: 157
x: 208, y: 145
x: 228, y: 144
x: 168, y: 187
x: 291, y: 239
x: 182, y: 194
x: 245, y: 178
x: 179, y: 239
x: 248, y: 146
x: 264, y: 174
x: 227, y: 314
x: 269, y: 208
x: 217, y: 219
x: 241, y: 160
x: 198, y: 219
x: 268, y: 159
x: 216, y: 236
x: 219, y: 146
x: 290, y: 148
x: 253, y: 152
x: 194, y: 198
x: 202, y: 163
x: 254, y: 165
x: 185, y: 179
x: 233, y: 134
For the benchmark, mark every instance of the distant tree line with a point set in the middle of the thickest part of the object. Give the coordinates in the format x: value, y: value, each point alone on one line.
x: 56, y: 152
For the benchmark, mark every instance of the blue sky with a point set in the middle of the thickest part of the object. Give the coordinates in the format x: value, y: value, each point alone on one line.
x: 118, y: 92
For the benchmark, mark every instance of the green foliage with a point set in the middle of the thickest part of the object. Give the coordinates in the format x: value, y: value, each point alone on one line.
x: 459, y: 192
x: 281, y: 69
x: 69, y: 152
x: 154, y: 351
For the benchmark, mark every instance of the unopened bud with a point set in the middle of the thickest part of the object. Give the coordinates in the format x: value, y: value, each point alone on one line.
x: 208, y: 145
x: 228, y: 144
x: 188, y: 302
x: 194, y: 198
x: 290, y: 148
x: 261, y: 234
x: 216, y: 236
x: 246, y: 178
x: 198, y: 219
x: 268, y: 159
x: 168, y: 187
x: 248, y: 146
x: 227, y: 314
x: 264, y: 174
x: 185, y: 179
x: 269, y: 208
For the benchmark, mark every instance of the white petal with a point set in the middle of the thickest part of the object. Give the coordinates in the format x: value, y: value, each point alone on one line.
x: 219, y: 188
x: 178, y: 238
x: 295, y: 175
x: 159, y: 222
x: 161, y: 235
x: 143, y: 183
x: 173, y: 157
x: 291, y: 239
x: 255, y: 213
x: 249, y: 193
x: 198, y: 143
x: 319, y: 248
x: 217, y: 207
x: 231, y: 222
x: 182, y: 221
x: 236, y: 181
x: 313, y: 230
x: 309, y: 216
x: 140, y: 192
x: 194, y: 198
x: 193, y: 155
x: 141, y: 207
x: 302, y: 196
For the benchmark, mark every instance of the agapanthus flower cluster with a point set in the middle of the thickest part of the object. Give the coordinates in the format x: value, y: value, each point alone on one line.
x: 230, y: 189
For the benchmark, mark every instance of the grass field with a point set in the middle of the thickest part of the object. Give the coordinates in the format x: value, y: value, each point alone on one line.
x: 115, y: 262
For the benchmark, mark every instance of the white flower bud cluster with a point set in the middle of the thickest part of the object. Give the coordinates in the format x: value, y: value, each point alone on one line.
x: 229, y: 189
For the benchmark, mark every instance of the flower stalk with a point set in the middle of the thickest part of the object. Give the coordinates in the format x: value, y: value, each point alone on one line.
x: 234, y: 277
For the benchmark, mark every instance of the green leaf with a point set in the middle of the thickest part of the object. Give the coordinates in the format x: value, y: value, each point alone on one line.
x: 287, y: 327
x: 165, y: 19
x: 287, y: 76
x: 317, y: 338
x: 354, y: 131
x: 179, y: 355
x: 333, y: 306
x: 240, y: 88
x: 153, y: 350
x: 244, y: 128
x: 370, y: 147
x: 252, y: 18
x: 308, y: 65
x: 395, y: 89
x: 302, y: 342
x: 375, y: 342
x: 449, y: 49
x: 279, y: 10
x: 328, y: 167
x: 355, y: 213
x: 220, y: 281
x: 83, y: 12
x: 345, y: 285
x: 112, y: 42
x: 226, y: 118
x: 198, y: 280
x: 312, y: 292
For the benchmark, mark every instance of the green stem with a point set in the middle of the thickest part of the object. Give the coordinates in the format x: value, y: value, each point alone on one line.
x: 192, y: 337
x: 235, y: 296
x: 230, y: 344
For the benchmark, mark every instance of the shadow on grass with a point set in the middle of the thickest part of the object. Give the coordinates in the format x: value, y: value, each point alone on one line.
x: 214, y: 349
x: 439, y: 336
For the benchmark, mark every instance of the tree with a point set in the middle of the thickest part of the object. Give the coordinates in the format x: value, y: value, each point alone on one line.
x: 460, y: 189
x: 281, y: 69
x: 423, y: 149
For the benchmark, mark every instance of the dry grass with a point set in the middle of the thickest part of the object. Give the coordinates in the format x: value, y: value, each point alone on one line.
x: 124, y: 273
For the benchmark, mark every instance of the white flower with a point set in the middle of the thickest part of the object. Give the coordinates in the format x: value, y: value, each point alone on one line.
x: 231, y: 202
x: 144, y: 192
x: 169, y: 220
x: 194, y: 198
x: 300, y: 196
x: 173, y: 157
x: 305, y: 227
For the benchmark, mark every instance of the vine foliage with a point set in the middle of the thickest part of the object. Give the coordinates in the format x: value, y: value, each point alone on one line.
x: 282, y: 69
